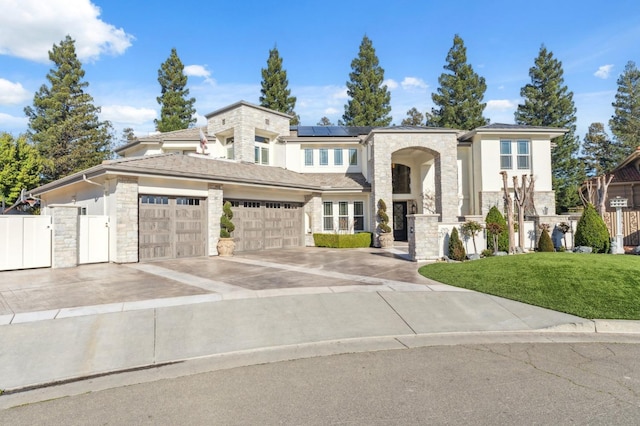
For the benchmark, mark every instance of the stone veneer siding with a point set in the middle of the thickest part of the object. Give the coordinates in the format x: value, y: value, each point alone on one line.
x: 442, y: 146
x: 542, y: 200
x: 126, y: 195
x: 214, y: 212
x: 423, y: 241
x: 313, y: 209
x: 65, y: 236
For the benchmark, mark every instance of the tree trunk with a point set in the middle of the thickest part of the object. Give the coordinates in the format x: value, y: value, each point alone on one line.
x: 509, y: 202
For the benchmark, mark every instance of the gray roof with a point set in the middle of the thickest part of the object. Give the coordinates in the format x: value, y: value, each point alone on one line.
x: 191, y: 134
x: 520, y: 128
x: 216, y: 170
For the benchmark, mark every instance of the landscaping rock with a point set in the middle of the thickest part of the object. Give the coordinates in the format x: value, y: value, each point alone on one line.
x: 446, y: 259
x: 583, y: 249
x: 473, y: 256
x: 635, y: 250
x: 519, y: 250
x: 501, y: 253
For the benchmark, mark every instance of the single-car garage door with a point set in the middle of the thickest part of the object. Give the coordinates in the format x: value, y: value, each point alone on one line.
x: 267, y: 224
x: 171, y: 227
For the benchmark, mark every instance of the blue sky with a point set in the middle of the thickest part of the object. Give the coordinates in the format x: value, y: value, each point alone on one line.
x: 224, y: 45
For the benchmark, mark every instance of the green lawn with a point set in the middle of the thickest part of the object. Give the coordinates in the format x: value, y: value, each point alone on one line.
x: 600, y: 286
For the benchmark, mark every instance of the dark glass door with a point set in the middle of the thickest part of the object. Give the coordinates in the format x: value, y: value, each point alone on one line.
x: 400, y: 221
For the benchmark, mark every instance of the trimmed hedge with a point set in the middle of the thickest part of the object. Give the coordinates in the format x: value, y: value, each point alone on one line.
x: 495, y: 216
x: 361, y: 239
x: 592, y: 231
x: 545, y: 244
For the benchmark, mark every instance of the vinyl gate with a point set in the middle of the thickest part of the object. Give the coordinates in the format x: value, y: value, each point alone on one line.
x: 93, y: 239
x: 25, y: 242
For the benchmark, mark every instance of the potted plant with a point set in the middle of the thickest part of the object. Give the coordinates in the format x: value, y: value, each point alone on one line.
x: 385, y: 236
x: 226, y: 245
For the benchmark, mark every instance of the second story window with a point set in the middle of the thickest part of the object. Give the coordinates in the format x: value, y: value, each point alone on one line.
x: 308, y: 157
x: 229, y: 147
x: 505, y: 155
x: 337, y: 157
x: 261, y: 150
x: 521, y: 149
x: 353, y: 157
x: 523, y: 155
x: 324, y: 157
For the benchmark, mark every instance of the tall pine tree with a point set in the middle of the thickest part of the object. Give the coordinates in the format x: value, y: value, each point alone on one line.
x: 275, y: 93
x: 63, y: 122
x: 601, y: 155
x: 369, y: 103
x: 20, y: 167
x: 548, y: 102
x: 414, y: 118
x: 625, y: 122
x: 459, y: 98
x: 177, y: 110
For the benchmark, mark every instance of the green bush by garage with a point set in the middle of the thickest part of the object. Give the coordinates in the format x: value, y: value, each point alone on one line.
x: 361, y: 239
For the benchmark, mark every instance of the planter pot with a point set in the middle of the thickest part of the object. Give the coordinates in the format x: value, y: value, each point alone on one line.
x: 386, y: 240
x: 226, y: 247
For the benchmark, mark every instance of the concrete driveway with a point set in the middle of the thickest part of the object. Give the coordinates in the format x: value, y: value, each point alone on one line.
x: 265, y: 271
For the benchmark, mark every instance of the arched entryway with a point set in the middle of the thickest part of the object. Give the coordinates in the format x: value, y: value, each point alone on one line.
x: 413, y: 187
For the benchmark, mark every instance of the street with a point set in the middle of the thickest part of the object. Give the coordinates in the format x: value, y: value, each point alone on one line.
x: 514, y: 383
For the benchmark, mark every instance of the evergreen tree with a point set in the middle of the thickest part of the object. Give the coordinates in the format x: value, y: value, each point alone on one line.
x: 127, y: 135
x: 625, y: 122
x: 548, y: 102
x: 275, y: 94
x: 20, y: 167
x: 369, y: 103
x: 456, y: 248
x: 495, y: 217
x: 63, y: 122
x: 324, y: 121
x: 177, y: 110
x: 591, y: 231
x: 459, y: 98
x: 414, y: 118
x: 601, y: 155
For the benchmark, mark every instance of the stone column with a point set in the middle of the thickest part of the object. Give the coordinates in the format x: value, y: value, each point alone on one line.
x: 313, y: 208
x: 214, y: 211
x: 65, y: 236
x: 423, y: 236
x: 126, y: 195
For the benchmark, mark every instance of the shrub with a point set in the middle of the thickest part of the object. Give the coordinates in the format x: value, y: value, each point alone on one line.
x: 383, y: 219
x: 592, y: 232
x: 471, y: 229
x: 456, y: 249
x: 361, y: 239
x: 545, y: 244
x: 494, y: 216
x: 226, y: 226
x: 487, y: 253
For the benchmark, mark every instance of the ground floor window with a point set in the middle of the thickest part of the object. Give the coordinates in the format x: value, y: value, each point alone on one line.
x: 358, y: 216
x: 327, y: 216
x: 343, y: 216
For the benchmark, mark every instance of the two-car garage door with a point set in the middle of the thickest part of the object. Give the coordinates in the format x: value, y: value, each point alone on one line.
x: 175, y: 227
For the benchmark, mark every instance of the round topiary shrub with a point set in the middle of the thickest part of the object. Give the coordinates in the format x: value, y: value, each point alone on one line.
x: 545, y: 244
x: 494, y: 216
x: 456, y: 248
x: 226, y: 226
x: 592, y: 232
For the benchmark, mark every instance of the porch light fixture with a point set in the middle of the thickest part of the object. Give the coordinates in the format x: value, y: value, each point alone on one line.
x: 414, y: 208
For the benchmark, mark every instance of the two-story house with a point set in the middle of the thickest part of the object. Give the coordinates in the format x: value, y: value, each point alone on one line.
x: 164, y: 198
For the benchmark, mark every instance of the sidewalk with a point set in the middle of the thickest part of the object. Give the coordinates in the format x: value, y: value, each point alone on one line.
x: 249, y: 302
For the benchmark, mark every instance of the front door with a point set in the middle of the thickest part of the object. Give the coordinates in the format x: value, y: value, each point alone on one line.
x: 400, y: 220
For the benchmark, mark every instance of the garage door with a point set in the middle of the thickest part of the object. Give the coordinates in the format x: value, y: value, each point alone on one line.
x: 171, y: 227
x: 267, y: 224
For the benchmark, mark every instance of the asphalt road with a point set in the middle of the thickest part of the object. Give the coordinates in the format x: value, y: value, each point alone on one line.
x: 534, y: 383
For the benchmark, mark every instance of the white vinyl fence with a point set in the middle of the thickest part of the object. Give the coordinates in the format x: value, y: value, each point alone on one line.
x: 25, y: 242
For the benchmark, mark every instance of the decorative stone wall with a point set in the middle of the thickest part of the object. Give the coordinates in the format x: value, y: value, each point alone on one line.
x: 214, y: 211
x: 313, y: 208
x: 544, y: 201
x: 423, y: 236
x: 126, y: 196
x: 65, y: 236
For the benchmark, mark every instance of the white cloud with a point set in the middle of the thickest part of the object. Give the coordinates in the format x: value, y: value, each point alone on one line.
x: 199, y: 71
x: 410, y: 83
x: 341, y: 93
x: 124, y: 114
x: 12, y: 93
x: 500, y: 104
x: 10, y: 123
x: 604, y: 71
x: 390, y: 83
x: 29, y: 28
x: 331, y: 111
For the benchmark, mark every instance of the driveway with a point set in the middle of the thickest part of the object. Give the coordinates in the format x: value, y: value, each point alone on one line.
x: 271, y: 271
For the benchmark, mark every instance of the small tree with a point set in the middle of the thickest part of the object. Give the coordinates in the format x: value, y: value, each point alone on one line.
x: 383, y: 219
x: 456, y: 249
x: 591, y: 231
x: 545, y: 244
x: 502, y: 240
x: 470, y: 229
x: 495, y: 230
x: 226, y: 226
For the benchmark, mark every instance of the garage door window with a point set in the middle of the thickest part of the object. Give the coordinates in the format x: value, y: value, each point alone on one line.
x: 153, y: 199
